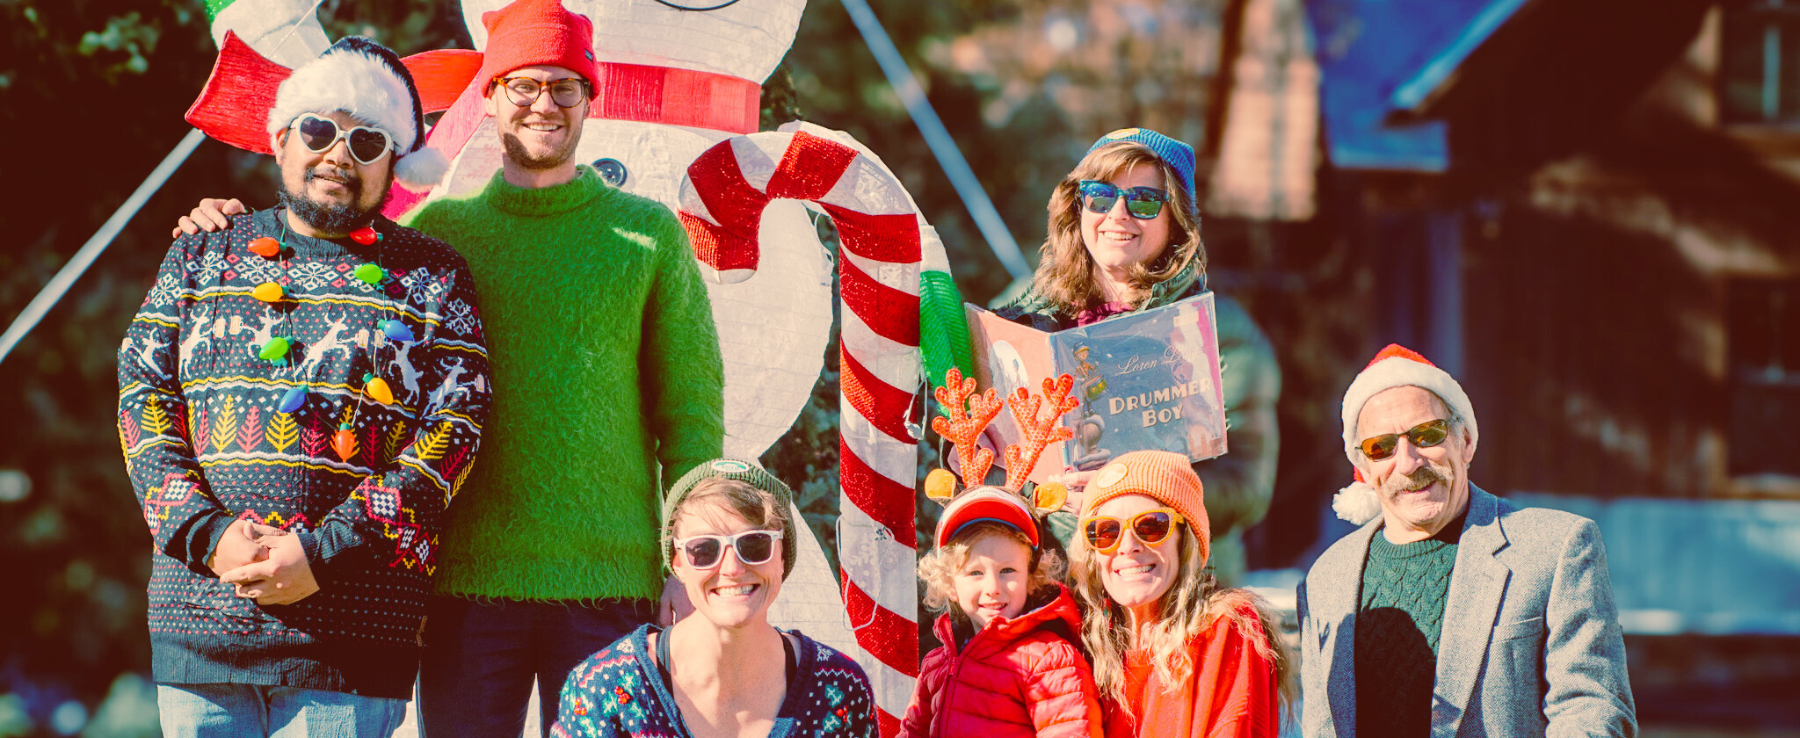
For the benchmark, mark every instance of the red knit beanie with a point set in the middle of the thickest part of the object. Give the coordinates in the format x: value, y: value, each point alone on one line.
x: 532, y: 32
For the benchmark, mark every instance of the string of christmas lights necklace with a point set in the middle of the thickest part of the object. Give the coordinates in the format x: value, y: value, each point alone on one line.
x: 276, y: 350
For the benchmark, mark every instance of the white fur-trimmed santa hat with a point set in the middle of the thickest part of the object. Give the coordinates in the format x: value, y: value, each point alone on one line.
x: 1394, y: 366
x: 368, y: 81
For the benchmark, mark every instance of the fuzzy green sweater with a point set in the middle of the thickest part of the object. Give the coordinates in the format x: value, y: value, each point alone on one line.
x: 605, y: 363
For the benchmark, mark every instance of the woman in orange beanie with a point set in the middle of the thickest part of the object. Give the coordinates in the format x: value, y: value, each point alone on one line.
x: 1173, y: 655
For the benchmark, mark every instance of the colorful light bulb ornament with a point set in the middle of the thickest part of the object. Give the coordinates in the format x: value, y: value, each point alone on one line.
x: 377, y: 389
x: 343, y: 442
x: 396, y: 331
x: 293, y: 399
x: 966, y: 414
x: 370, y: 273
x: 265, y: 247
x: 275, y: 351
x: 365, y: 235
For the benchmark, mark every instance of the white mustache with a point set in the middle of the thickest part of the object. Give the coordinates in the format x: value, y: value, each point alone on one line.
x: 1424, y: 477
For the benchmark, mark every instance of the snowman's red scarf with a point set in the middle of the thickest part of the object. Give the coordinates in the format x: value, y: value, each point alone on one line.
x: 234, y: 106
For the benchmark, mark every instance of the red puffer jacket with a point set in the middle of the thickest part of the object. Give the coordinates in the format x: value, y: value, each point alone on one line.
x: 1014, y: 678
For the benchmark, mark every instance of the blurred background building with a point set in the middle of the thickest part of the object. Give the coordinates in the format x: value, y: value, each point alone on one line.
x: 1588, y: 210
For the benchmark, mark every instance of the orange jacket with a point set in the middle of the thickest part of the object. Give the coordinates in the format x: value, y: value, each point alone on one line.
x: 1014, y: 678
x: 1232, y: 693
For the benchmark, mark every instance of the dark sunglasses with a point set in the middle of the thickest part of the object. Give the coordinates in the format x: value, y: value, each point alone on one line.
x: 525, y: 91
x: 319, y: 134
x: 1150, y: 527
x: 1423, y: 435
x: 1143, y: 203
x: 753, y: 547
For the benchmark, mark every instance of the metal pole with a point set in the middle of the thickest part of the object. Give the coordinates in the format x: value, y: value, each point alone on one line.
x: 987, y: 219
x: 78, y: 264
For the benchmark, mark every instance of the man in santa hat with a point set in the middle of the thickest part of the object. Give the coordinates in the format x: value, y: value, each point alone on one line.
x: 1452, y: 612
x: 291, y: 562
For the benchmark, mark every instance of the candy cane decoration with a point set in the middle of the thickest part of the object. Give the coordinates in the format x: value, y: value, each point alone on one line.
x: 879, y: 266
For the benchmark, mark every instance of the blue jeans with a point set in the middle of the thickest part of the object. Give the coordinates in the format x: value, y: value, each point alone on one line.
x: 479, y: 659
x: 256, y: 711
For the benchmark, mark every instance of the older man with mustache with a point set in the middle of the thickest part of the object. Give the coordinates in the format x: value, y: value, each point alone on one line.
x: 1451, y: 612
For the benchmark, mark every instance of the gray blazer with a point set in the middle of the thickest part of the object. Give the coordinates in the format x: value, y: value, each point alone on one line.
x: 1531, y: 644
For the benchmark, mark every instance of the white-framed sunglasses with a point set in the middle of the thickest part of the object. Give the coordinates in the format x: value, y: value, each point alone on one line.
x: 319, y: 133
x: 753, y: 547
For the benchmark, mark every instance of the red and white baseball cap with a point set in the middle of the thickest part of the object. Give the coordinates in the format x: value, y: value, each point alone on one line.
x: 995, y: 504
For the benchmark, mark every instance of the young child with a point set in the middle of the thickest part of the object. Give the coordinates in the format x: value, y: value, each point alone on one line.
x: 1009, y: 665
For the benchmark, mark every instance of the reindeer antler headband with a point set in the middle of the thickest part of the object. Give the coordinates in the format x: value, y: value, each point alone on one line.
x: 967, y: 414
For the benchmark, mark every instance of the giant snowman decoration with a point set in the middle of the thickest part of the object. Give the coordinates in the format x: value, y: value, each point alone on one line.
x: 675, y: 120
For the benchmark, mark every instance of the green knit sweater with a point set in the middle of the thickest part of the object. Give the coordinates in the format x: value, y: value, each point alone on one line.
x: 1397, y: 628
x: 605, y: 363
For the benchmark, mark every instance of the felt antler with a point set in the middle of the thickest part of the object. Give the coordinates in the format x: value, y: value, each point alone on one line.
x: 962, y: 428
x: 1039, y: 432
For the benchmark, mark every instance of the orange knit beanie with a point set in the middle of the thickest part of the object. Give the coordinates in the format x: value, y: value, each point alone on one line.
x: 1163, y: 475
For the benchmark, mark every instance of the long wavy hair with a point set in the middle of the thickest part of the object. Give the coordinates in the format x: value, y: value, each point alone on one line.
x: 1190, y: 607
x: 1065, y: 272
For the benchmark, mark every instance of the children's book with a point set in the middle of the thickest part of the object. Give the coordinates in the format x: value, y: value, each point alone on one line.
x: 1145, y: 380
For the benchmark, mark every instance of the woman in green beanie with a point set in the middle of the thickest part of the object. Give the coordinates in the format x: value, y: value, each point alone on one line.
x: 726, y: 532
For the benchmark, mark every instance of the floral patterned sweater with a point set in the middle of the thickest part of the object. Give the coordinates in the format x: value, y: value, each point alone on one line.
x: 619, y: 692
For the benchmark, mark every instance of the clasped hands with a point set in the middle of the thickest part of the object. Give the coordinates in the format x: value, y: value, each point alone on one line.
x: 264, y: 563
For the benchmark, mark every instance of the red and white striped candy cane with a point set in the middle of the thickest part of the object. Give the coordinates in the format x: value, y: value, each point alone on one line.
x: 722, y: 202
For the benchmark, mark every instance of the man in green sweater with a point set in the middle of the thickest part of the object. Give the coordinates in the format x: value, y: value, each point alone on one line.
x: 608, y: 385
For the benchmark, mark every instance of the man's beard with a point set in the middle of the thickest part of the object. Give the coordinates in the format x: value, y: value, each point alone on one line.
x: 518, y: 154
x: 331, y: 217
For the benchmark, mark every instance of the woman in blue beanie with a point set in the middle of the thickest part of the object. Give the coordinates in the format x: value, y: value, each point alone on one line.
x: 1124, y: 236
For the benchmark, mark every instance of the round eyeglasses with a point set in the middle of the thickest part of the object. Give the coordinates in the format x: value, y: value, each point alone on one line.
x: 524, y: 91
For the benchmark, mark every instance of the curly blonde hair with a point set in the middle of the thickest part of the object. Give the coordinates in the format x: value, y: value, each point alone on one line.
x: 1065, y: 273
x: 1190, y: 607
x: 938, y: 568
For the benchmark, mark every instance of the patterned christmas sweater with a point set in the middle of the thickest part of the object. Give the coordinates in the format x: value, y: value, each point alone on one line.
x: 207, y: 442
x: 618, y: 692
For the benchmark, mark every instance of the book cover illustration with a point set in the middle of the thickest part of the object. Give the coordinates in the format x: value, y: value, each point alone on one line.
x: 1147, y: 380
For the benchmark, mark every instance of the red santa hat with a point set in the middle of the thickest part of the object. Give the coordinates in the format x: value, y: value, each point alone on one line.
x: 1394, y: 366
x: 371, y: 83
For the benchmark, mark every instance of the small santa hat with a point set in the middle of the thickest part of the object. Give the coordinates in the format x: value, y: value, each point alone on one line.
x: 368, y: 81
x: 1394, y: 366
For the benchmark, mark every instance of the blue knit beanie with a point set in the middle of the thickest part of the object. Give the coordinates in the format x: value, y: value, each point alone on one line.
x: 1176, y: 154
